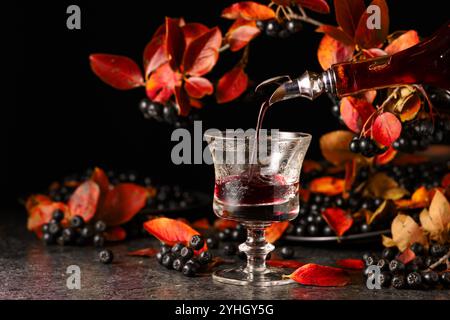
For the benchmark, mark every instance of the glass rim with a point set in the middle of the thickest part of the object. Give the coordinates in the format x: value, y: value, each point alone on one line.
x: 282, y: 135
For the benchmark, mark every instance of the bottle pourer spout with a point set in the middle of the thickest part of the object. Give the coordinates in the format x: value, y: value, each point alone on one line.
x: 310, y: 85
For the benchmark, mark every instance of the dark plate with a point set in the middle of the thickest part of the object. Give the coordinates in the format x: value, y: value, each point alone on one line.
x: 366, y: 237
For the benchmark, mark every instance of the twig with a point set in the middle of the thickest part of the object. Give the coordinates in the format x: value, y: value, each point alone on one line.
x: 440, y: 261
x: 224, y: 47
x: 304, y: 17
x: 390, y: 97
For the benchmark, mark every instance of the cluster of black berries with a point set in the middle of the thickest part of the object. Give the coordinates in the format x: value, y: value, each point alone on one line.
x: 182, y: 258
x: 365, y: 146
x: 283, y: 29
x: 417, y: 135
x: 416, y: 274
x: 430, y: 174
x: 77, y: 233
x: 310, y: 221
x: 171, y: 197
x: 165, y: 113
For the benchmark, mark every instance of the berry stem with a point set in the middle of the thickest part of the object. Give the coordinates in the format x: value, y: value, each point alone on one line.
x: 225, y: 47
x: 304, y: 17
x: 440, y: 261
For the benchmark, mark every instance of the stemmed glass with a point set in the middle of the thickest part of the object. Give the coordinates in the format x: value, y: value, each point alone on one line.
x: 256, y: 185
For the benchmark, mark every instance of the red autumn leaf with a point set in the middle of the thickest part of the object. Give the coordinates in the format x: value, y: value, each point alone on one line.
x: 356, y: 264
x: 386, y: 128
x: 84, y: 201
x: 355, y: 112
x: 155, y: 53
x: 292, y: 264
x: 202, y: 53
x: 248, y: 10
x: 170, y: 231
x: 183, y: 103
x: 241, y: 33
x: 118, y: 71
x: 319, y: 6
x: 42, y: 213
x: 406, y: 40
x: 101, y: 179
x: 175, y: 42
x: 221, y: 224
x: 411, y: 108
x: 115, y: 234
x: 445, y: 181
x: 231, y: 85
x: 406, y: 256
x: 419, y: 199
x: 316, y: 275
x: 35, y: 200
x: 161, y: 84
x: 146, y: 252
x: 373, y: 38
x: 192, y: 31
x: 336, y: 33
x: 201, y: 224
x: 122, y: 203
x: 348, y: 13
x: 374, y: 53
x: 331, y: 51
x: 198, y: 87
x: 275, y: 231
x: 386, y: 156
x: 338, y: 220
x: 330, y: 186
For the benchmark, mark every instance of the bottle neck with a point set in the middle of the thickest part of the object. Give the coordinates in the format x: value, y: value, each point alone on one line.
x: 328, y: 78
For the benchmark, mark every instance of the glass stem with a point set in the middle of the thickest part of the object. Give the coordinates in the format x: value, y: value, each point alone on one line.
x: 256, y: 248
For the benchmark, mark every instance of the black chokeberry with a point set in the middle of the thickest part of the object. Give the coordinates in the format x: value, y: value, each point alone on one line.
x: 48, y: 238
x: 178, y: 264
x: 58, y: 215
x: 87, y: 232
x: 238, y: 235
x: 165, y: 249
x: 186, y: 253
x: 159, y: 257
x: 155, y: 111
x: 354, y: 145
x: 176, y: 249
x: 77, y: 222
x: 272, y: 28
x: 189, y: 269
x: 212, y: 243
x: 100, y: 226
x: 294, y: 25
x: 313, y: 230
x: 438, y: 250
x: 44, y: 228
x: 98, y: 241
x: 445, y: 279
x: 383, y: 264
x: 106, y: 256
x: 396, y: 266
x: 287, y: 252
x: 327, y: 231
x: 167, y: 260
x: 385, y: 279
x: 365, y: 228
x: 414, y: 280
x: 261, y: 25
x: 170, y: 114
x: 431, y: 278
x: 389, y: 253
x: 205, y: 257
x: 229, y: 249
x: 197, y: 242
x: 300, y: 230
x: 370, y: 260
x: 54, y: 228
x: 69, y: 235
x: 398, y: 282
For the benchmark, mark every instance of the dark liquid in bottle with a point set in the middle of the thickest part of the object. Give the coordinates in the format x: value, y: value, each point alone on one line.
x: 426, y: 63
x: 256, y: 198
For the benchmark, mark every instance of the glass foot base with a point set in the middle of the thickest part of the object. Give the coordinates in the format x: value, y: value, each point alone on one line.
x: 239, y: 276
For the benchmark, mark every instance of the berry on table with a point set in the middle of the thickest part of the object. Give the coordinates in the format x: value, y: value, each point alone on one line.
x: 54, y: 228
x: 398, y: 282
x: 205, y: 257
x: 100, y: 226
x: 212, y: 243
x: 176, y: 249
x: 48, y: 238
x: 178, y: 264
x: 186, y: 253
x: 44, y: 228
x: 389, y: 253
x: 189, y: 269
x: 165, y: 249
x: 414, y: 280
x: 396, y: 266
x: 445, y: 279
x: 385, y: 279
x: 197, y: 242
x: 167, y: 260
x: 430, y: 278
x: 87, y: 232
x: 438, y: 250
x: 159, y: 257
x: 383, y: 264
x: 98, y: 241
x: 106, y: 256
x: 77, y: 222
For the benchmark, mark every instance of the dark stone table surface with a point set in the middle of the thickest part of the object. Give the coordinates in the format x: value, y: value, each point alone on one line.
x: 29, y: 270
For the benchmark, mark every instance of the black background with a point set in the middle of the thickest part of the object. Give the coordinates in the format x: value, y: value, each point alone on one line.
x: 64, y: 119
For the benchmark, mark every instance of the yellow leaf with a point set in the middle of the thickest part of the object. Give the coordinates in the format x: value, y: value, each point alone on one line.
x: 387, y: 242
x: 440, y: 211
x: 405, y: 231
x: 394, y: 193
